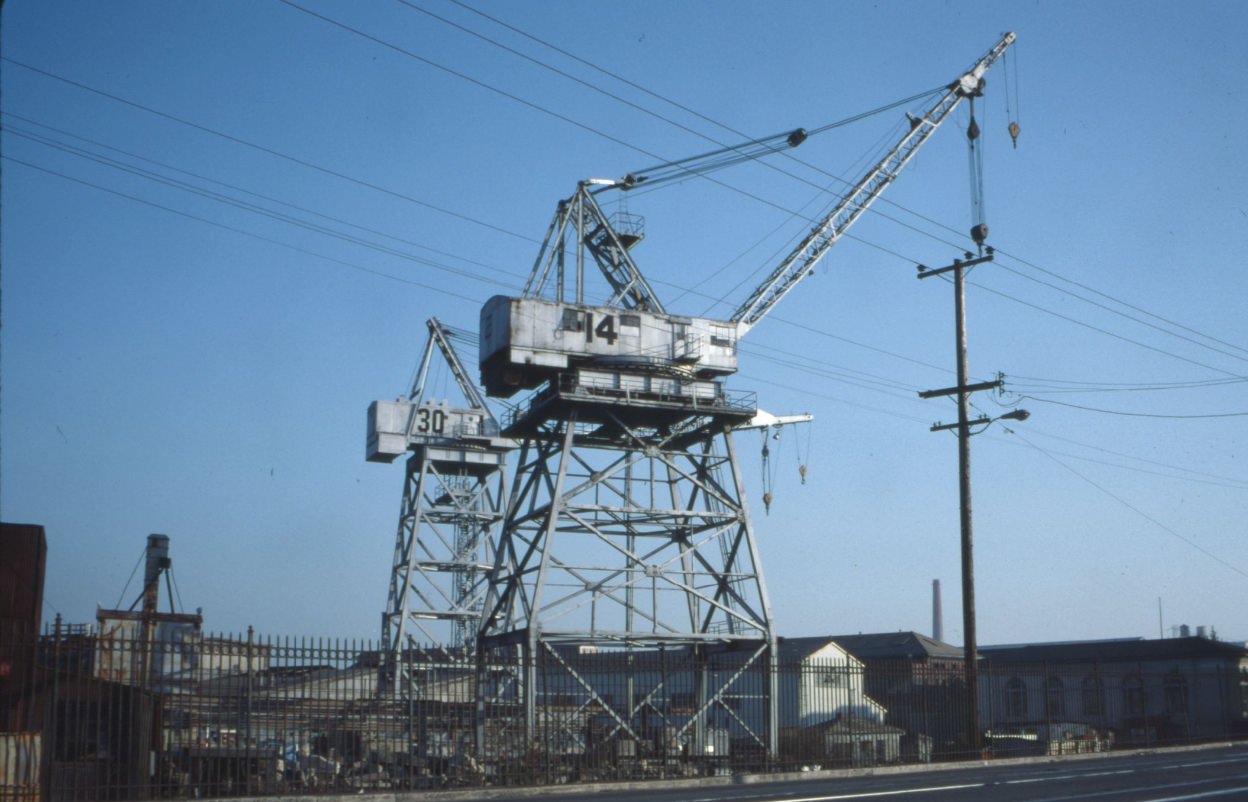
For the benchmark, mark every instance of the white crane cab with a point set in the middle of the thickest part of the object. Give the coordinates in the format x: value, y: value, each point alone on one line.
x: 527, y: 341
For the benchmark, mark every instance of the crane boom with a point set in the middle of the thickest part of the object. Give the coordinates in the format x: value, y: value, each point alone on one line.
x: 439, y: 335
x: 632, y: 344
x: 802, y: 260
x: 396, y: 427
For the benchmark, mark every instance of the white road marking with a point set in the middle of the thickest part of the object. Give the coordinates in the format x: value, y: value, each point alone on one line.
x: 871, y: 794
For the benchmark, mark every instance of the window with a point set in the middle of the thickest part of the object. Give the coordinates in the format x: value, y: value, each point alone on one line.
x: 1016, y: 698
x: 1133, y: 697
x: 1093, y: 696
x: 571, y: 320
x: 1055, y: 696
x: 1175, y: 690
x: 721, y: 336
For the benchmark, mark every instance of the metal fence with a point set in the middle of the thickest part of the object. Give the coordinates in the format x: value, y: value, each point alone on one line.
x: 167, y: 712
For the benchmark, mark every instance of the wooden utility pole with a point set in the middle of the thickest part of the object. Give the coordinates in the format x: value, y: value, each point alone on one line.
x: 963, y: 426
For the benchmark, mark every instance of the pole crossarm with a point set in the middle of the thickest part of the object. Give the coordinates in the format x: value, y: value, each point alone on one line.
x: 928, y: 272
x: 944, y: 427
x: 966, y: 388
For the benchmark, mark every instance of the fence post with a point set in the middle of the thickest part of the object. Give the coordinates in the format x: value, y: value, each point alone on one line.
x: 1048, y: 713
x: 50, y: 747
x: 991, y: 684
x: 247, y: 707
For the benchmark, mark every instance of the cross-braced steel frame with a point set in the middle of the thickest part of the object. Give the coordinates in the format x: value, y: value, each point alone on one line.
x: 452, y: 500
x: 622, y: 537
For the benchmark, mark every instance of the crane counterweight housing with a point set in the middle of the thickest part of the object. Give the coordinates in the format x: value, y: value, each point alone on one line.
x: 527, y: 341
x: 397, y: 427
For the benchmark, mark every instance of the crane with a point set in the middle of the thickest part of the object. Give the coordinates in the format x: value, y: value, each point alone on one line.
x: 525, y: 341
x: 452, y: 498
x: 627, y: 526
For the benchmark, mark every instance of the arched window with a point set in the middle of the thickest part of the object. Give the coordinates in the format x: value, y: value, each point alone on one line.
x: 1055, y: 696
x: 1133, y: 698
x: 1176, y: 694
x: 1093, y: 696
x: 1016, y: 698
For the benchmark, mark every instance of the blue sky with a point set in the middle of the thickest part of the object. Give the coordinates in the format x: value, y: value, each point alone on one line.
x: 224, y: 225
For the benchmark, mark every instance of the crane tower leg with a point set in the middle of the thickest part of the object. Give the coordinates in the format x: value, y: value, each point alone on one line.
x: 627, y: 581
x: 442, y: 553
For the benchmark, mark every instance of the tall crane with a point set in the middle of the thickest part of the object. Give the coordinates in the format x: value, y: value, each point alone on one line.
x: 452, y: 499
x: 528, y: 340
x: 627, y: 526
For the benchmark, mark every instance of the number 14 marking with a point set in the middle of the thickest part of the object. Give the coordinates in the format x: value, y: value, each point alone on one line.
x: 605, y: 328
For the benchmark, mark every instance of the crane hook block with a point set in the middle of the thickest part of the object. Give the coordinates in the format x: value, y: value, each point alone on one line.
x: 797, y: 137
x: 1014, y: 131
x: 972, y: 130
x: 979, y: 233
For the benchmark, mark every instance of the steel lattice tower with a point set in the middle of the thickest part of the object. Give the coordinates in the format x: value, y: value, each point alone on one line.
x: 627, y: 532
x: 453, y: 495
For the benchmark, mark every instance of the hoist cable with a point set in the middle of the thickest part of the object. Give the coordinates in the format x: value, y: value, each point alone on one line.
x: 128, y: 581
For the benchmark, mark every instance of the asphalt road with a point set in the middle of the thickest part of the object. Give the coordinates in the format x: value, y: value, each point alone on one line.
x: 1206, y: 774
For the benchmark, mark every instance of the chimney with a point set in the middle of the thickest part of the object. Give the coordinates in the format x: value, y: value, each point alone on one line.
x: 157, y: 562
x: 1185, y: 631
x: 938, y: 618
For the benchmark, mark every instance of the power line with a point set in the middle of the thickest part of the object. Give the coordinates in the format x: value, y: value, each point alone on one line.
x: 528, y: 104
x: 1121, y: 413
x: 1141, y: 310
x: 1134, y: 319
x: 293, y: 221
x: 262, y: 238
x: 443, y: 267
x: 258, y: 210
x: 264, y: 149
x: 269, y: 198
x: 1216, y: 478
x: 792, y: 214
x: 1107, y: 333
x: 1176, y: 472
x: 1054, y: 386
x: 789, y: 363
x: 462, y: 76
x: 1193, y: 544
x: 341, y: 175
x: 719, y: 124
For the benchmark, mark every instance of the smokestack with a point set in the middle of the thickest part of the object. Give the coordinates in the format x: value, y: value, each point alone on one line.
x: 157, y: 562
x: 938, y: 617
